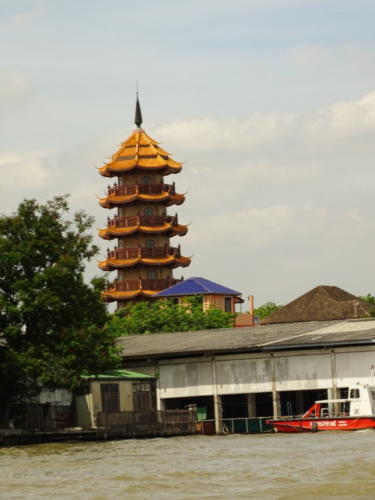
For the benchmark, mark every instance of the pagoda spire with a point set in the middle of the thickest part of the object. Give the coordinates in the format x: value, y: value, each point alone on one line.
x: 138, y: 113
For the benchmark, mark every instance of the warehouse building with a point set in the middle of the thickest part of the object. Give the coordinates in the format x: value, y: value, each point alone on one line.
x: 266, y: 370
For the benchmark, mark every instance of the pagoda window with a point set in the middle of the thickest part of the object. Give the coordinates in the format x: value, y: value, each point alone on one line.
x: 150, y: 243
x: 146, y: 180
x: 152, y: 275
x: 148, y: 211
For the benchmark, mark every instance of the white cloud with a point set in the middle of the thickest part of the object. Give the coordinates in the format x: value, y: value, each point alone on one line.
x: 341, y: 120
x: 285, y: 197
x: 13, y: 85
x: 345, y: 120
x: 278, y: 203
x: 208, y: 134
x: 27, y: 171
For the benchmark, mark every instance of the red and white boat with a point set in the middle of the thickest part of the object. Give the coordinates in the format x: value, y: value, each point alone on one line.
x: 350, y: 414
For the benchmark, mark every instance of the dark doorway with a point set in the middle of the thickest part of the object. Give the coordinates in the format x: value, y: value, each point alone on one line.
x: 143, y: 396
x: 110, y: 398
x: 297, y: 402
x: 234, y: 405
x: 206, y: 402
x: 263, y: 404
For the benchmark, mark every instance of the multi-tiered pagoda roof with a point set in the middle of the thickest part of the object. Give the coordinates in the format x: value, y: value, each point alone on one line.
x: 143, y: 256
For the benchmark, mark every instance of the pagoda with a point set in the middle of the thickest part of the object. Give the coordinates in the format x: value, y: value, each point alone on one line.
x: 143, y: 256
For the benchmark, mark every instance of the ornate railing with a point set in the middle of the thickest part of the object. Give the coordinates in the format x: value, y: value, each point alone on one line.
x: 146, y: 252
x: 141, y: 189
x: 142, y: 220
x: 146, y: 284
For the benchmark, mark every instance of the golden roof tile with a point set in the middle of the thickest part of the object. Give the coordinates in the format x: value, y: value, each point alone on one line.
x: 113, y: 232
x: 139, y: 150
x: 114, y: 200
x: 111, y: 295
x: 110, y: 264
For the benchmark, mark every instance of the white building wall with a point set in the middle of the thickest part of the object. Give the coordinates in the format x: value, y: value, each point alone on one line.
x: 185, y: 379
x: 254, y: 373
x: 235, y: 376
x: 353, y: 367
x: 303, y: 372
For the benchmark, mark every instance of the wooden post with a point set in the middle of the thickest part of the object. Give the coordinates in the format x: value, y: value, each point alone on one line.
x: 251, y: 308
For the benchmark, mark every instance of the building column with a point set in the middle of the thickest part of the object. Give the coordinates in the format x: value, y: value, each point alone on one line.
x: 275, y: 394
x: 335, y: 407
x: 251, y: 405
x: 218, y: 414
x: 333, y: 374
x: 160, y: 404
x: 218, y: 411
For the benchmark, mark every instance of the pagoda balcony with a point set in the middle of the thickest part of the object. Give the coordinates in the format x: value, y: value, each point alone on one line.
x: 142, y: 220
x: 145, y: 284
x: 144, y: 252
x: 150, y: 189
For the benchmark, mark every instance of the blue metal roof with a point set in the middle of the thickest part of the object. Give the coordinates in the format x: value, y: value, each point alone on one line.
x: 196, y: 286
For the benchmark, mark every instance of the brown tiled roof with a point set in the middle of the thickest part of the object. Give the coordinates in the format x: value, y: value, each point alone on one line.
x: 320, y: 304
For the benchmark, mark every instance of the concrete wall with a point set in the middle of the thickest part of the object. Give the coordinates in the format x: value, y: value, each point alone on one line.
x: 355, y: 366
x: 256, y: 373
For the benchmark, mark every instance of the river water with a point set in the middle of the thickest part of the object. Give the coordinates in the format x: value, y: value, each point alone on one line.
x: 332, y: 465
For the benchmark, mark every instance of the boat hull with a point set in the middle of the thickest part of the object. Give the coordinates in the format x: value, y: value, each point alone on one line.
x: 323, y: 424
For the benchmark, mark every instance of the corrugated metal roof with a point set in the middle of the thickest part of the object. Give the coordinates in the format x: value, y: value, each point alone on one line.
x: 312, y: 334
x: 196, y: 286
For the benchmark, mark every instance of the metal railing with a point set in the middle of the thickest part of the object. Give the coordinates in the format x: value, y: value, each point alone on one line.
x: 141, y: 189
x: 142, y: 220
x: 245, y: 425
x: 145, y: 284
x: 146, y: 252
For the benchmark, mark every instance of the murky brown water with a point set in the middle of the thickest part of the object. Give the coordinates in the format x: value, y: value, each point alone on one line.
x: 269, y: 466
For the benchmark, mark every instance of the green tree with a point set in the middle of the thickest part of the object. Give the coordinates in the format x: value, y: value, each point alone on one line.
x: 265, y: 310
x: 51, y: 321
x: 370, y: 299
x: 165, y: 316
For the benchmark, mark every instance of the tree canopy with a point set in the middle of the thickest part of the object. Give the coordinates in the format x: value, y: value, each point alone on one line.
x: 50, y: 320
x: 265, y: 310
x: 165, y: 316
x: 370, y: 299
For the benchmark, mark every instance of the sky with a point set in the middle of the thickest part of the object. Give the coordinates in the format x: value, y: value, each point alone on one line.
x: 270, y: 104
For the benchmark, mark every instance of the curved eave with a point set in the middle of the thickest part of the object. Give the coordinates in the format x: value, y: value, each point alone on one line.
x: 114, y: 232
x: 172, y: 261
x: 114, y: 169
x: 112, y: 295
x: 169, y: 199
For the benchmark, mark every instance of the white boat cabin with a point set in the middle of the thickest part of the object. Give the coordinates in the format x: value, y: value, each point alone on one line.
x: 361, y: 402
